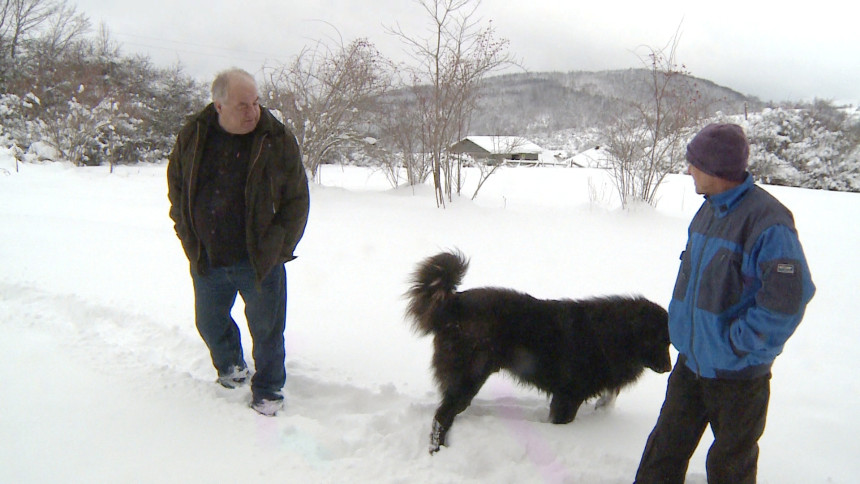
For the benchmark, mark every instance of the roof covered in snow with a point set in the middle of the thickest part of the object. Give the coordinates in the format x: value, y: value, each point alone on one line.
x: 496, y: 145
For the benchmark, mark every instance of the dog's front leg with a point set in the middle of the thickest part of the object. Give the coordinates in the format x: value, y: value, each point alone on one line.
x: 563, y: 408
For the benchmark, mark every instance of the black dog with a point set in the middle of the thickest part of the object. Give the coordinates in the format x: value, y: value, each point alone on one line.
x: 572, y: 350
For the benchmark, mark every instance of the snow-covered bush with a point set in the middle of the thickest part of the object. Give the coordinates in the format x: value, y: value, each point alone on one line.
x: 72, y: 130
x: 792, y: 147
x: 92, y: 104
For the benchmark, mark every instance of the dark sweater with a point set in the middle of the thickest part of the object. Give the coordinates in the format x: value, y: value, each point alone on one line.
x: 219, y: 207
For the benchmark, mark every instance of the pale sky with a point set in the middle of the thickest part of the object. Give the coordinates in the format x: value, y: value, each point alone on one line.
x: 773, y: 50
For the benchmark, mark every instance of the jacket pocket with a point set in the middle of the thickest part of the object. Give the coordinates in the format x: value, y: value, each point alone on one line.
x: 683, y: 278
x: 721, y: 282
x: 782, y: 286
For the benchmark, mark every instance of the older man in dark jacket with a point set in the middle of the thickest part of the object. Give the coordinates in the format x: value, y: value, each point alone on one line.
x: 239, y: 201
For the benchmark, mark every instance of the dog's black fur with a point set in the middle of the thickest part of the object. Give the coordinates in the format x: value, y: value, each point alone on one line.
x: 571, y: 349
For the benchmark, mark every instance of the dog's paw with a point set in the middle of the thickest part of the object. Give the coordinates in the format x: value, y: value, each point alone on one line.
x: 437, y: 437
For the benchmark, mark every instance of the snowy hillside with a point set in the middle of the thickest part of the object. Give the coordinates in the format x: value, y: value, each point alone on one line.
x: 105, y: 379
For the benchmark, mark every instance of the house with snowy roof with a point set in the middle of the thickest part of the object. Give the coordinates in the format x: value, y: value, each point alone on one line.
x: 498, y: 149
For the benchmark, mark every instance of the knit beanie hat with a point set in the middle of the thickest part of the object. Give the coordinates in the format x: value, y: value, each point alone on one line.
x: 720, y: 150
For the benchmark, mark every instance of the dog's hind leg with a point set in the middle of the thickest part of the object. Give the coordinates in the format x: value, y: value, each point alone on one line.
x: 563, y: 408
x: 437, y: 436
x: 455, y: 399
x: 607, y: 398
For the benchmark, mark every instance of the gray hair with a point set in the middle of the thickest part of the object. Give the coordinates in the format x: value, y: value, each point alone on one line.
x: 221, y: 84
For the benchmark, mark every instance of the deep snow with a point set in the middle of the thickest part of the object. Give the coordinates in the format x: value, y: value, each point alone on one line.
x: 105, y: 379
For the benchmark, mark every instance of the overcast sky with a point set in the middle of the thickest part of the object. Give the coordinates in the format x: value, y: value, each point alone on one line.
x: 777, y: 51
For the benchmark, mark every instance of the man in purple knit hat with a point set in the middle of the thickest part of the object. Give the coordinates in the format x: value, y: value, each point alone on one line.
x: 741, y: 291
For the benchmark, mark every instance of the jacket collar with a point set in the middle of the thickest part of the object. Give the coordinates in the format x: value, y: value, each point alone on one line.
x: 267, y: 122
x: 725, y: 202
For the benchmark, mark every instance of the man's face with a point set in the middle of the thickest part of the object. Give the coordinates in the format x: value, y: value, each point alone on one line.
x: 240, y: 112
x: 706, y: 184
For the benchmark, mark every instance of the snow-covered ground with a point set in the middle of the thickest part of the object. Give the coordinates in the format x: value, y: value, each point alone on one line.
x: 104, y: 378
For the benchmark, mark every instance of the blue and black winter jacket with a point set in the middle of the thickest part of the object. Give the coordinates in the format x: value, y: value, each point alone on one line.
x: 742, y: 287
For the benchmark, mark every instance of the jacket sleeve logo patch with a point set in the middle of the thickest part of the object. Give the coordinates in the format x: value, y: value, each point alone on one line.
x: 785, y: 268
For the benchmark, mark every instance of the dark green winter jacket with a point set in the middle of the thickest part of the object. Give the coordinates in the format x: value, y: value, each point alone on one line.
x: 276, y: 192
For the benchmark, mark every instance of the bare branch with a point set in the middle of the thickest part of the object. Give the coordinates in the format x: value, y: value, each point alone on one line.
x: 648, y: 145
x: 325, y: 94
x: 452, y: 60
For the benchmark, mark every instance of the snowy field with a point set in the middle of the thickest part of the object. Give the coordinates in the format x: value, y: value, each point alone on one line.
x: 105, y: 380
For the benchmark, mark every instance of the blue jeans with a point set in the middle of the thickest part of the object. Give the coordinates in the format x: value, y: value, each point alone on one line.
x: 265, y: 310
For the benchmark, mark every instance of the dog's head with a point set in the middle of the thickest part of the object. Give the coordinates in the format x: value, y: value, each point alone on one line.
x: 655, y: 341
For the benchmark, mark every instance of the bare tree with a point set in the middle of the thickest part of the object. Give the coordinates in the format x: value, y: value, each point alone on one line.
x: 401, y: 134
x: 485, y: 170
x: 19, y: 21
x: 502, y: 149
x: 505, y: 145
x: 452, y: 61
x: 326, y: 94
x: 63, y: 27
x: 648, y: 144
x: 5, y: 20
x: 23, y: 17
x: 104, y: 46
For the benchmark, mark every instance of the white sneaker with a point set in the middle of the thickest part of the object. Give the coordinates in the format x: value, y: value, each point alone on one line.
x: 236, y: 378
x: 267, y: 407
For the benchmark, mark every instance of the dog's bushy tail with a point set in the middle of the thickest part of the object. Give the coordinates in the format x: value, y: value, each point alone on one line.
x: 433, y: 283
